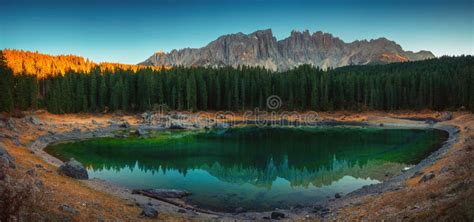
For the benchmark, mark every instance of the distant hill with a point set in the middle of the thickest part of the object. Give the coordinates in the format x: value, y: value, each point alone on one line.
x: 261, y: 48
x: 43, y: 65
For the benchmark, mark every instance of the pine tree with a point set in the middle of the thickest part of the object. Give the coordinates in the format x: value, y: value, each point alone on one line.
x: 93, y: 91
x: 6, y: 83
x: 102, y: 95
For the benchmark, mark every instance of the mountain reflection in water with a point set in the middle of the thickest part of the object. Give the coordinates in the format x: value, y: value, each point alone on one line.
x: 257, y: 168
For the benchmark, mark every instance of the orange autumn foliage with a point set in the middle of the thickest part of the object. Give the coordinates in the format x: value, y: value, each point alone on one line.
x: 393, y: 57
x: 43, y: 65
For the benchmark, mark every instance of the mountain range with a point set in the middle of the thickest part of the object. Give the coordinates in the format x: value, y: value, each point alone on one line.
x: 261, y: 48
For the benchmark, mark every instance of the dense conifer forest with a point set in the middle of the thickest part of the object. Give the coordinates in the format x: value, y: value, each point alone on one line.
x: 438, y: 84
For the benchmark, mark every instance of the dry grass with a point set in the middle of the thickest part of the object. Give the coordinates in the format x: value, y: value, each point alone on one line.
x: 447, y: 197
x: 444, y: 197
x: 20, y: 196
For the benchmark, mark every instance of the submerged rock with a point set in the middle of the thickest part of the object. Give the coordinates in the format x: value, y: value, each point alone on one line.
x: 162, y: 193
x: 405, y: 169
x: 239, y: 210
x: 221, y: 125
x: 74, y: 169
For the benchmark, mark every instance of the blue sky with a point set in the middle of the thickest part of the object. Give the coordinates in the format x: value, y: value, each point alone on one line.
x: 131, y: 31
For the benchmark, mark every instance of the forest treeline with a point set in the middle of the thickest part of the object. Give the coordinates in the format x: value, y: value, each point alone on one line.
x: 44, y: 65
x: 438, y: 84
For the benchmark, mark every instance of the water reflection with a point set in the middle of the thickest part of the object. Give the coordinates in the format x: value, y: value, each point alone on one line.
x: 258, y: 168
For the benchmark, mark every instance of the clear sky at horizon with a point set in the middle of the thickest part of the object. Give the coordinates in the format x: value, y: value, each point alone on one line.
x: 131, y: 31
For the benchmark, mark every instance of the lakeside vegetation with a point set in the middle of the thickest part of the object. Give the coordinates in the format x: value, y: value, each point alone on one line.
x: 438, y: 84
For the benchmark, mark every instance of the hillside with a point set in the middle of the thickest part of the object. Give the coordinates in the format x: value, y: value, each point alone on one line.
x: 43, y: 65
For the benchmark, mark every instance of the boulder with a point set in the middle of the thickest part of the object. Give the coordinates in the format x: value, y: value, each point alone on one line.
x: 141, y: 132
x: 277, y: 215
x: 119, y: 123
x: 427, y: 177
x: 32, y: 172
x: 39, y: 184
x: 162, y: 193
x: 11, y: 125
x: 124, y: 124
x: 68, y: 209
x: 444, y: 170
x: 76, y: 130
x: 176, y: 125
x: 74, y: 169
x: 179, y: 116
x: 34, y: 120
x: 149, y: 212
x: 239, y: 210
x: 5, y: 158
x: 3, y: 174
x: 337, y: 195
x: 147, y: 117
x: 221, y: 125
x: 446, y: 116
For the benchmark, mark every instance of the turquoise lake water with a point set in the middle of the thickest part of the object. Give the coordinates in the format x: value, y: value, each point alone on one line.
x: 255, y: 168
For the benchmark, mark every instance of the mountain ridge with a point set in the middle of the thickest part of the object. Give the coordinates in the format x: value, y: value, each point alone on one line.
x: 261, y: 48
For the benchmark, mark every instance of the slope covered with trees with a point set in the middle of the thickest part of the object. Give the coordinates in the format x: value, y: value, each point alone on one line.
x: 43, y: 65
x: 444, y: 83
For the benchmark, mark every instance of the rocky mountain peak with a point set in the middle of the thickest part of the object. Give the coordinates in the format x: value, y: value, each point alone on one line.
x: 261, y: 48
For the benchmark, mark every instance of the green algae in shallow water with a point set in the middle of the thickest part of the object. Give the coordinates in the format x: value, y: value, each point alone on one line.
x: 255, y: 168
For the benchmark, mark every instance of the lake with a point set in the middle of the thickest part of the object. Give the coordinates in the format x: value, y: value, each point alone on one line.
x: 253, y: 167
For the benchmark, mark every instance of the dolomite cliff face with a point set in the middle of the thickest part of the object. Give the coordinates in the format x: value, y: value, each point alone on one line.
x: 261, y: 48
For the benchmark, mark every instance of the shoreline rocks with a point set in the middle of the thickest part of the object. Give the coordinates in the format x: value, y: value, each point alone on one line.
x: 106, y: 132
x: 149, y: 212
x: 34, y: 120
x: 5, y: 158
x: 74, y: 169
x: 427, y: 177
x: 277, y: 215
x: 68, y: 209
x: 162, y: 193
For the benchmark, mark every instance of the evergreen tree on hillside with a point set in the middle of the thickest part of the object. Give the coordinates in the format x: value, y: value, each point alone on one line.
x: 440, y: 84
x: 102, y: 101
x: 93, y: 90
x: 6, y: 83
